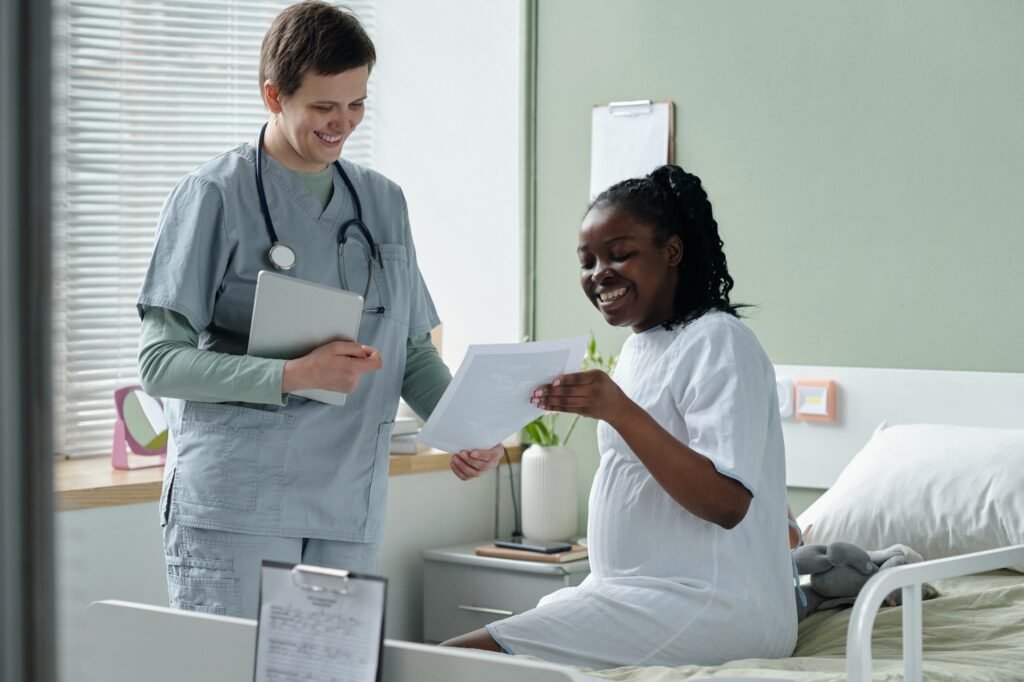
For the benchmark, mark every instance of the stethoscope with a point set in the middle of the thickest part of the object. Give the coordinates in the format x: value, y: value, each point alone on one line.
x: 283, y: 257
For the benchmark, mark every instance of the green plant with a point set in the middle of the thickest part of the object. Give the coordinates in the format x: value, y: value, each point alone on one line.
x: 544, y: 429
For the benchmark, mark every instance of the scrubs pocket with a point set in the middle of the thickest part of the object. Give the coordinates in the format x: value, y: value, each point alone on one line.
x: 216, y: 571
x: 202, y: 595
x: 203, y: 585
x: 230, y: 457
x: 394, y: 283
x: 379, y: 482
x: 200, y: 576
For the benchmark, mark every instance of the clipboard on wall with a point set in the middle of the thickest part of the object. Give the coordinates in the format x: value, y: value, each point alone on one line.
x: 629, y: 140
x: 319, y: 624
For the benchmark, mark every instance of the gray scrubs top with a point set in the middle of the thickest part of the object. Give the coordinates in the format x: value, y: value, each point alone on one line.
x: 303, y: 469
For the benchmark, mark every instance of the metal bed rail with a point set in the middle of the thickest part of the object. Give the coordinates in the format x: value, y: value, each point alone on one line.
x: 910, y: 578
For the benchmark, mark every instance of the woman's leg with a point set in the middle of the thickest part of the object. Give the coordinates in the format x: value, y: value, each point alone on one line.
x: 478, y: 639
x: 215, y: 571
x: 361, y: 557
x: 358, y: 557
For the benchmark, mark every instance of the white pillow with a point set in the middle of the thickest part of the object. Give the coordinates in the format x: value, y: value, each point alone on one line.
x: 942, y: 490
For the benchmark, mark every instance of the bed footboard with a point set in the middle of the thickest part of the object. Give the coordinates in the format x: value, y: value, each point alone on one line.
x: 910, y: 577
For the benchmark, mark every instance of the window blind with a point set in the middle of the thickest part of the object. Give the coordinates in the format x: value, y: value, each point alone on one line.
x: 145, y: 91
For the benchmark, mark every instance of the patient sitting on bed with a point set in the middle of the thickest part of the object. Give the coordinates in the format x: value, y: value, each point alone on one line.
x: 687, y: 524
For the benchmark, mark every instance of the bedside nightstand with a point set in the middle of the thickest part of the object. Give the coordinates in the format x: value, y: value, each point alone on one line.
x: 464, y: 592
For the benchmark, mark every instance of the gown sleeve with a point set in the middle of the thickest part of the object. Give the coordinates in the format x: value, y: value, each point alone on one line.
x: 727, y: 401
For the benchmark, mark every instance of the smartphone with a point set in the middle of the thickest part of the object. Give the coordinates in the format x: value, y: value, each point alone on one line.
x: 542, y: 546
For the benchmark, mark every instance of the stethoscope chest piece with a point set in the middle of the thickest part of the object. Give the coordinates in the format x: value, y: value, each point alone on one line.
x: 281, y: 256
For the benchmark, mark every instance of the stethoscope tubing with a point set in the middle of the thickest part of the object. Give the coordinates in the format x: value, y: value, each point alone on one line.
x: 356, y: 222
x: 283, y: 257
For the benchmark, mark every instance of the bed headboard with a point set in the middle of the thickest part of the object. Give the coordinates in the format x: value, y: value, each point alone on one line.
x: 816, y: 452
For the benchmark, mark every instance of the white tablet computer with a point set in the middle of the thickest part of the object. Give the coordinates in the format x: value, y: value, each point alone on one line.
x: 291, y: 317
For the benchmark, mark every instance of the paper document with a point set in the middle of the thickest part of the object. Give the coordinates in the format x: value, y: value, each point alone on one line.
x: 489, y: 397
x: 628, y: 140
x: 318, y: 624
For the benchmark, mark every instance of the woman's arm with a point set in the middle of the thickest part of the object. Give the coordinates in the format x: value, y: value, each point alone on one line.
x: 426, y: 376
x: 689, y: 477
x: 172, y: 366
x: 795, y: 534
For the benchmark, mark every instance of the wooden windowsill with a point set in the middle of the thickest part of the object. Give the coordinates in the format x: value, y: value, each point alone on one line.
x: 91, y: 482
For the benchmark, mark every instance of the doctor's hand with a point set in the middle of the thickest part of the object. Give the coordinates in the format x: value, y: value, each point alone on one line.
x: 334, y: 366
x: 592, y: 394
x: 469, y: 464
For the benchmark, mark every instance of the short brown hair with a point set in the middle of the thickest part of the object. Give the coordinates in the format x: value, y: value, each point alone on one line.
x: 313, y: 36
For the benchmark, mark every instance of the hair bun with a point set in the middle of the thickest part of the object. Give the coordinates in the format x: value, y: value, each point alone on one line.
x: 676, y: 181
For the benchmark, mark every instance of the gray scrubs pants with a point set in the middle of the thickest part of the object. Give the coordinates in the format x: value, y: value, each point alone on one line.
x: 215, y: 571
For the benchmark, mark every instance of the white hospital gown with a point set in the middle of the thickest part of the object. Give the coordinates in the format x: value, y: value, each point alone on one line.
x: 667, y: 587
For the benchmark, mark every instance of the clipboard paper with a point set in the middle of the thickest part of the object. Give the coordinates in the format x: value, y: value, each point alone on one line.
x: 319, y: 624
x: 628, y: 140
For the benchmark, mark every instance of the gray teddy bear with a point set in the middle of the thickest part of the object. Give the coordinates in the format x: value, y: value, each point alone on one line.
x: 839, y: 570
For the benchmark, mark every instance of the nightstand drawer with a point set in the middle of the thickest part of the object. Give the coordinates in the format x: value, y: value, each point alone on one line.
x: 460, y: 598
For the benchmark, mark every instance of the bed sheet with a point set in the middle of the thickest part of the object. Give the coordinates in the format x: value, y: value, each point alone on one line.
x: 974, y: 631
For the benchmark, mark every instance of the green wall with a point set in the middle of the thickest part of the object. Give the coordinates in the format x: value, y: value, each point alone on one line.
x: 865, y: 160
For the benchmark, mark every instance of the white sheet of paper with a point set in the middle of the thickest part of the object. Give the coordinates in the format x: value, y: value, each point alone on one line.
x: 308, y: 635
x: 489, y: 397
x: 627, y: 142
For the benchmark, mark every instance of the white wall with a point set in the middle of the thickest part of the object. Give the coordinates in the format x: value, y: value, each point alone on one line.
x: 117, y: 552
x: 448, y: 110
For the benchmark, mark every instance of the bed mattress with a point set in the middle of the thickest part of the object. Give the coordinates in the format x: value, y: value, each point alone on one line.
x: 973, y: 631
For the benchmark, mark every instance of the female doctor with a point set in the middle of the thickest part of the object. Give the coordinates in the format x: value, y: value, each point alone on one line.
x: 254, y: 473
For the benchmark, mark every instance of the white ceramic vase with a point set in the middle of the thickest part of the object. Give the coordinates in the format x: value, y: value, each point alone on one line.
x: 549, y: 492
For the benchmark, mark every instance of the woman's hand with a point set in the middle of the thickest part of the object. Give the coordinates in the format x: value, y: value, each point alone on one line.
x: 592, y: 394
x: 334, y: 366
x: 469, y: 464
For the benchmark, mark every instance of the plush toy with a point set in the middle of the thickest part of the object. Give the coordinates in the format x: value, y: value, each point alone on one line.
x: 838, y: 571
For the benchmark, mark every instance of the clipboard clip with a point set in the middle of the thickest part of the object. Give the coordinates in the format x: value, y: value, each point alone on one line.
x: 339, y: 574
x: 634, y: 107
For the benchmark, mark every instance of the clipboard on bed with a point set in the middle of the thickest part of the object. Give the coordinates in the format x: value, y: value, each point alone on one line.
x: 629, y: 140
x: 319, y: 624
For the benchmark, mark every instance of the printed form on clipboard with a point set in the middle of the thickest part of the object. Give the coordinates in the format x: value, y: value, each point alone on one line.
x: 319, y: 624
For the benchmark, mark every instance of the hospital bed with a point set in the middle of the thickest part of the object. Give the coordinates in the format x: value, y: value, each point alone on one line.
x: 974, y: 631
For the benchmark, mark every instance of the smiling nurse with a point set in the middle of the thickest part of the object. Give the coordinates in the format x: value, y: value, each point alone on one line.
x: 252, y: 472
x: 687, y: 533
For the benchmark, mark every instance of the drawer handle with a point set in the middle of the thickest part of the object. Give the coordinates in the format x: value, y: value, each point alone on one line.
x: 484, y: 609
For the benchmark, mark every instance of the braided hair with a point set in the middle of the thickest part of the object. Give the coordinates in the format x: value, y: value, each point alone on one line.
x: 673, y: 202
